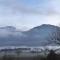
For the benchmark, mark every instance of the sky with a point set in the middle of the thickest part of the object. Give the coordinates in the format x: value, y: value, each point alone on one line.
x: 26, y: 14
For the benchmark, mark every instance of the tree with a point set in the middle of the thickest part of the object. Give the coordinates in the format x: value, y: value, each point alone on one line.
x: 18, y: 51
x: 54, y: 36
x: 52, y: 55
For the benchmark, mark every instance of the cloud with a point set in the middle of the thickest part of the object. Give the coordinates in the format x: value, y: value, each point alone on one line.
x: 54, y: 7
x: 24, y: 13
x: 37, y: 7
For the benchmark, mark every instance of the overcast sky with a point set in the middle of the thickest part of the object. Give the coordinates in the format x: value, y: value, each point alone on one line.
x: 25, y: 14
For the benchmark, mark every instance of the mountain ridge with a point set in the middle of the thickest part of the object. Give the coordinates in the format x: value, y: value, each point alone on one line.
x: 38, y: 36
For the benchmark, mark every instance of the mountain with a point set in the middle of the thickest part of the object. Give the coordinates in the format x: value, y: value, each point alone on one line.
x: 9, y: 35
x: 43, y: 35
x: 38, y: 36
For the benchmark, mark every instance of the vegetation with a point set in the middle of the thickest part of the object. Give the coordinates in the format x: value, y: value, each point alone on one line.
x: 51, y: 56
x: 22, y: 58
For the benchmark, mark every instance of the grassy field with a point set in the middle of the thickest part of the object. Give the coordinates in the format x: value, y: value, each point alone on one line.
x: 22, y: 58
x: 51, y: 56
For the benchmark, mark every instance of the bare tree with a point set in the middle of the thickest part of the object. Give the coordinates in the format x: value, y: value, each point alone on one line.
x: 54, y: 36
